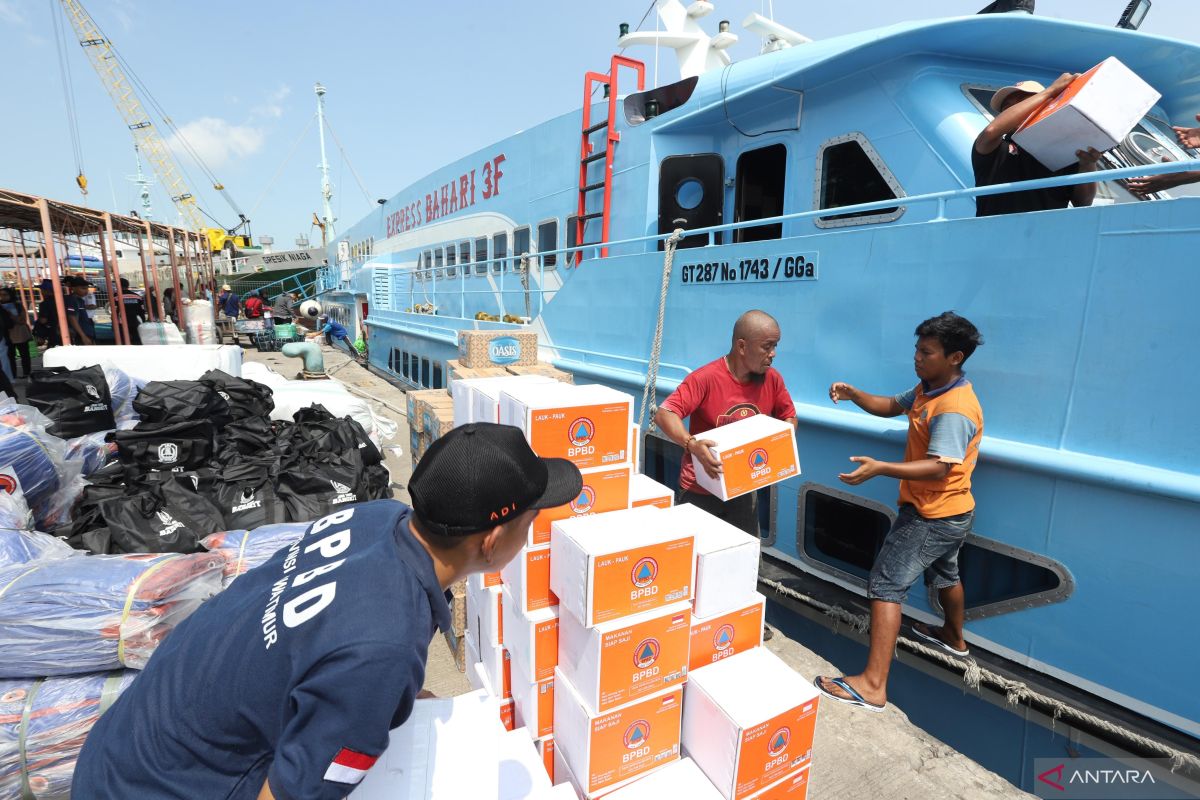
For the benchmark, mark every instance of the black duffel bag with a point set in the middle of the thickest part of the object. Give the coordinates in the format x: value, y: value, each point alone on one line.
x: 318, y: 432
x: 168, y: 517
x: 76, y: 400
x: 246, y: 398
x: 165, y: 445
x: 177, y: 401
x: 252, y: 436
x: 245, y: 494
x: 312, y: 489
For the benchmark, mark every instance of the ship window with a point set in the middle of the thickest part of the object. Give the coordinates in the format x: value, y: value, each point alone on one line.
x: 404, y: 363
x: 414, y: 367
x: 980, y: 97
x: 849, y: 171
x: 438, y: 260
x: 573, y: 239
x: 451, y: 260
x: 481, y: 256
x: 548, y: 240
x: 437, y: 376
x: 425, y: 373
x: 392, y: 359
x: 499, y: 252
x: 464, y: 256
x: 841, y: 530
x: 520, y: 247
x: 761, y: 177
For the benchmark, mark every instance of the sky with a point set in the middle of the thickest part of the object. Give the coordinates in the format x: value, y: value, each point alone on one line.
x: 411, y: 85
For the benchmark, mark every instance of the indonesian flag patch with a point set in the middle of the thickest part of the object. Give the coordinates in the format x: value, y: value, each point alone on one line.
x: 349, y: 766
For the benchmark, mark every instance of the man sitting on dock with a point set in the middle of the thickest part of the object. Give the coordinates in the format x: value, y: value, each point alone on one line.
x: 287, y: 683
x: 996, y: 158
x: 945, y: 424
x: 737, y: 385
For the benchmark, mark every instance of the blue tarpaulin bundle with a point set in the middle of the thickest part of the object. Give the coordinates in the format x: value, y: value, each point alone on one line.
x: 245, y: 550
x: 23, y: 546
x: 77, y: 615
x: 43, y: 723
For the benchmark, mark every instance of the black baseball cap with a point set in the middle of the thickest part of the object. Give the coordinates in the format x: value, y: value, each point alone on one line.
x: 480, y: 475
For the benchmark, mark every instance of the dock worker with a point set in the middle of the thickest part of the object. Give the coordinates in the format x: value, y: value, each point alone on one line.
x: 135, y: 311
x: 737, y: 385
x: 996, y: 158
x: 334, y: 332
x: 1141, y: 187
x: 229, y: 303
x: 945, y: 425
x: 284, y: 308
x: 286, y: 684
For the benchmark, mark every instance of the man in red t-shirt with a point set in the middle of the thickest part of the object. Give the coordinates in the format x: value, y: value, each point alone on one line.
x: 740, y: 384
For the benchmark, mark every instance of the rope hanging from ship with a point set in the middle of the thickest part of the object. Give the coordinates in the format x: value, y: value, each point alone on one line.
x: 1016, y: 692
x: 649, y: 391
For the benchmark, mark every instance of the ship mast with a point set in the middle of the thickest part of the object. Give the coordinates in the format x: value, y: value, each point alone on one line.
x: 326, y: 188
x: 143, y: 184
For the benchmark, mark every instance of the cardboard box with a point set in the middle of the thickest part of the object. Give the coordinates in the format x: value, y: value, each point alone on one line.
x: 1098, y: 109
x: 744, y: 738
x: 533, y: 706
x: 486, y: 617
x: 754, y: 452
x: 645, y: 491
x: 681, y: 780
x: 613, y: 565
x: 458, y: 607
x: 793, y: 787
x: 532, y: 641
x: 617, y: 662
x: 485, y: 394
x: 604, y: 489
x: 522, y: 774
x: 527, y: 578
x: 717, y: 637
x: 607, y: 750
x: 508, y: 714
x: 726, y: 562
x: 543, y: 369
x: 477, y: 581
x: 588, y: 425
x: 416, y: 399
x: 456, y: 371
x: 545, y: 749
x: 497, y: 348
x: 497, y: 667
x: 437, y: 419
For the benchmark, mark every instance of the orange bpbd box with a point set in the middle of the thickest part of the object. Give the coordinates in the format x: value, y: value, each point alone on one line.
x: 723, y: 635
x: 793, y: 787
x: 545, y: 748
x: 744, y: 739
x: 507, y: 712
x: 532, y: 641
x: 645, y: 491
x: 478, y: 581
x: 604, y: 489
x: 589, y: 425
x: 617, y: 662
x: 527, y: 578
x: 534, y: 705
x: 605, y: 751
x: 609, y: 566
x: 754, y: 452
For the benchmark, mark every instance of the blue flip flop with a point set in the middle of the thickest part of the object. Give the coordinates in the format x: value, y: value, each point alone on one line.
x: 925, y: 632
x: 855, y: 699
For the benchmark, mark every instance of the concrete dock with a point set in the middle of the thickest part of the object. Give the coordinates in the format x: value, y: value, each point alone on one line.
x: 857, y: 754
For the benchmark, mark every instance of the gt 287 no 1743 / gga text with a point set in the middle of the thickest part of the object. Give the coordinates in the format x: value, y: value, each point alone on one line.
x: 799, y: 267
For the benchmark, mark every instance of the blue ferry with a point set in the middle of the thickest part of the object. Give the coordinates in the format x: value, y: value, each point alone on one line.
x: 830, y: 184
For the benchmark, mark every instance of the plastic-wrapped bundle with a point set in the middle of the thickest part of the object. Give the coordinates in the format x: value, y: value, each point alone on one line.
x: 38, y: 460
x: 245, y: 550
x: 124, y: 389
x: 14, y: 511
x: 78, y: 615
x: 93, y: 451
x: 20, y: 547
x: 43, y: 723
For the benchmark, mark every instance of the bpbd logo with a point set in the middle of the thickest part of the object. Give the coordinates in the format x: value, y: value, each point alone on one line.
x: 644, y: 572
x: 646, y: 653
x: 585, y: 501
x: 504, y: 350
x: 581, y: 432
x: 779, y: 741
x: 758, y: 458
x: 637, y: 734
x: 723, y: 638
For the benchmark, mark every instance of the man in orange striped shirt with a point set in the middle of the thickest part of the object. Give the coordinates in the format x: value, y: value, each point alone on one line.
x: 945, y: 424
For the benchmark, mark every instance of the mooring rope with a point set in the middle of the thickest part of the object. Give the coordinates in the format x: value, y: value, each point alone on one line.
x: 650, y: 391
x: 975, y: 676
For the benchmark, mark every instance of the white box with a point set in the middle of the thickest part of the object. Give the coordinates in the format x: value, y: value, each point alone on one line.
x: 522, y: 774
x: 617, y: 662
x: 532, y: 641
x: 1098, y: 109
x: 726, y: 562
x: 527, y: 579
x: 564, y: 777
x: 497, y: 666
x: 620, y: 563
x: 723, y: 635
x: 754, y: 452
x: 484, y: 615
x: 533, y: 706
x: 645, y: 491
x: 424, y: 756
x: 791, y: 787
x: 485, y: 393
x: 588, y: 424
x: 748, y: 721
x: 460, y: 393
x: 476, y: 674
x: 681, y: 779
x: 605, y: 751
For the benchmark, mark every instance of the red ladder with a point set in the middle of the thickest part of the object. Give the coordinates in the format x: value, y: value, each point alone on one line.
x: 588, y: 154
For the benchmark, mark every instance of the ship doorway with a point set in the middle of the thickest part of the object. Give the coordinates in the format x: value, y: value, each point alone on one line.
x: 761, y: 178
x: 691, y: 195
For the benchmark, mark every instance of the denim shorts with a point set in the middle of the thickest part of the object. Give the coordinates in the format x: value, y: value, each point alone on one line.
x: 918, y: 545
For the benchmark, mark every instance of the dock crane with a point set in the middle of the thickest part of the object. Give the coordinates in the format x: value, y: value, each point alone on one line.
x: 116, y: 80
